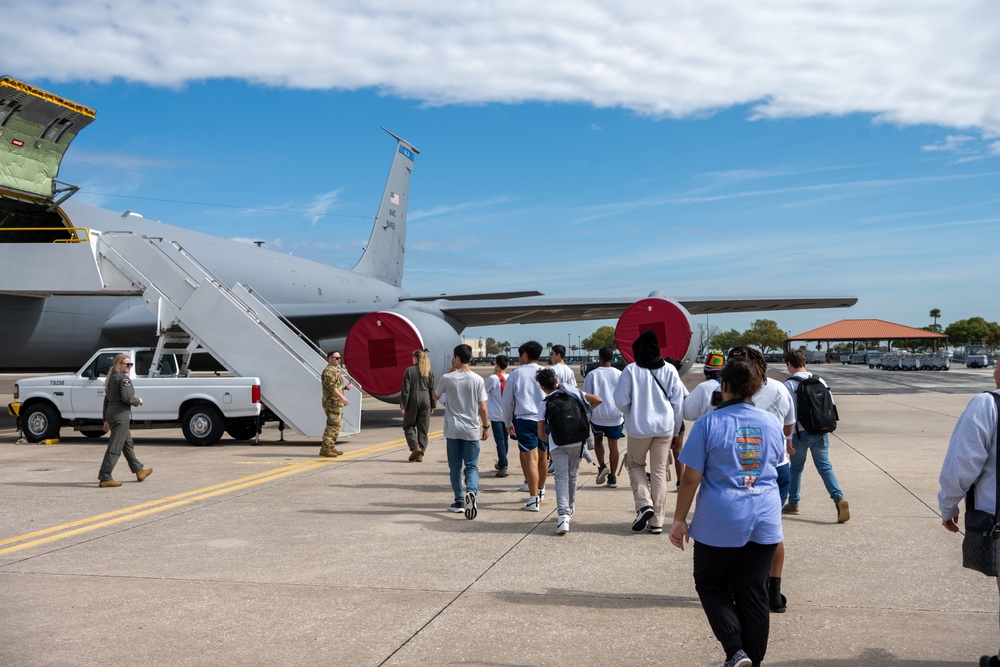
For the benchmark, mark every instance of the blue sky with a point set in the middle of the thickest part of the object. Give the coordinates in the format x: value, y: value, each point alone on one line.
x: 577, y: 149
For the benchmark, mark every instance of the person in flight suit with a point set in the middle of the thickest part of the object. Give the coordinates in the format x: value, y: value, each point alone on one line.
x: 333, y: 405
x: 119, y: 397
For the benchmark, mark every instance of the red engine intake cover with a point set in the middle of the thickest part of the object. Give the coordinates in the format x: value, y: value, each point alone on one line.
x: 668, y: 320
x: 378, y: 351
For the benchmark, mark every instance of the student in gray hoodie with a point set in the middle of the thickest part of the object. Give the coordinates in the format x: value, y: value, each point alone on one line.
x: 651, y: 396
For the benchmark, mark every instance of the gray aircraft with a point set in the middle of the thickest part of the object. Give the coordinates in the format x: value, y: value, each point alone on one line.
x: 364, y: 310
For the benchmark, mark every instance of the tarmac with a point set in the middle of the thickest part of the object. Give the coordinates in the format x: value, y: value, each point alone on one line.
x: 238, y: 554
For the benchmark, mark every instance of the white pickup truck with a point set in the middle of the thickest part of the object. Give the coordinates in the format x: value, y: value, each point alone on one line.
x: 204, y: 407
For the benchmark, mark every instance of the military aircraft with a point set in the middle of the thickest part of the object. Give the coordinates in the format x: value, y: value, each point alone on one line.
x: 364, y: 310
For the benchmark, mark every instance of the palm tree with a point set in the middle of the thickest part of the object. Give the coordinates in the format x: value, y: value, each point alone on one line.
x: 935, y: 313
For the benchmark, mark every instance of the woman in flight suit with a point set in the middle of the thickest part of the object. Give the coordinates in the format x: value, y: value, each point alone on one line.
x: 416, y: 402
x: 119, y: 397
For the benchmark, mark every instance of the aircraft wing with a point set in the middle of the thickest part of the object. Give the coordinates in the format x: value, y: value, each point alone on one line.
x: 552, y: 309
x: 322, y: 320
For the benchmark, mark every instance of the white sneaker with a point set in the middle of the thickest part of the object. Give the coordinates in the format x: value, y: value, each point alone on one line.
x: 541, y: 494
x: 524, y: 486
x: 563, y: 527
x: 531, y: 505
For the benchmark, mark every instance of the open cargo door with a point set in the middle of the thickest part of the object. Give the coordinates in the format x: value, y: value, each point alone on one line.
x: 36, y: 128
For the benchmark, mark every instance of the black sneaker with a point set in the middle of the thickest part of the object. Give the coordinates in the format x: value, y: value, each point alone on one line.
x: 642, y: 517
x: 612, y: 482
x: 457, y: 506
x: 602, y: 474
x: 470, y: 505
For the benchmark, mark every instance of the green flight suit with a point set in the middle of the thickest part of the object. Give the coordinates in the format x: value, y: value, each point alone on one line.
x: 118, y: 402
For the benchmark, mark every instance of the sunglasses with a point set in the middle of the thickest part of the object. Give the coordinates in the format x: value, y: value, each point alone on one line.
x: 128, y: 365
x: 335, y: 358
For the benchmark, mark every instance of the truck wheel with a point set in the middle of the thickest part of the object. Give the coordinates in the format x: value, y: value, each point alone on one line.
x: 203, y: 424
x: 40, y: 422
x: 242, y: 429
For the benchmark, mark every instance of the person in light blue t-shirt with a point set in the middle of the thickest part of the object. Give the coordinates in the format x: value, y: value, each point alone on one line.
x: 732, y: 454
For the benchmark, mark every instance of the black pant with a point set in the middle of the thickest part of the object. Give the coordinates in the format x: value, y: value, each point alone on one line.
x: 732, y: 585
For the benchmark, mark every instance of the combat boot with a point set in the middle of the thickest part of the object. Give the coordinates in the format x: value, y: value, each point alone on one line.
x: 325, y: 451
x: 335, y: 452
x: 143, y: 474
x: 108, y: 483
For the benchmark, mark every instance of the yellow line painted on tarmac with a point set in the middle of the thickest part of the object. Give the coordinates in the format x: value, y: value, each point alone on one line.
x: 170, y: 502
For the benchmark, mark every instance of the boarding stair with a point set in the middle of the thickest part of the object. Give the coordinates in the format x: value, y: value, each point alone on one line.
x: 238, y: 327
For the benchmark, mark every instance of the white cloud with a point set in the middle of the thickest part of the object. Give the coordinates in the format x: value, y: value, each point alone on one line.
x: 321, y: 205
x: 932, y: 61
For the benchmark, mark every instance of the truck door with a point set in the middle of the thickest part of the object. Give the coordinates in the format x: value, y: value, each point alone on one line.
x: 87, y: 394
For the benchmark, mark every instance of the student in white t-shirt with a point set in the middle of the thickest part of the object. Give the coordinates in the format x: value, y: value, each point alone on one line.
x: 607, y: 419
x: 495, y: 385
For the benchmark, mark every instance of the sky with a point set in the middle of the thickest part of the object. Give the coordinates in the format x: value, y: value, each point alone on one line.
x: 585, y: 148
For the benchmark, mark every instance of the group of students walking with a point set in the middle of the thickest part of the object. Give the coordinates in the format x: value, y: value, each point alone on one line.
x: 736, y: 459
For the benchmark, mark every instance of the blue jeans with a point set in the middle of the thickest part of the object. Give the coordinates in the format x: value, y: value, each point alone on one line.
x: 819, y: 445
x: 463, y: 454
x: 500, y: 436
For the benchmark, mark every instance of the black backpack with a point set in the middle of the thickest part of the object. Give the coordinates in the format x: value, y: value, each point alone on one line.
x: 814, y: 406
x: 566, y: 418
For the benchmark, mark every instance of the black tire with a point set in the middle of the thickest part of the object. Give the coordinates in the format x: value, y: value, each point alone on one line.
x: 92, y: 434
x: 242, y: 429
x: 203, y: 424
x: 40, y: 421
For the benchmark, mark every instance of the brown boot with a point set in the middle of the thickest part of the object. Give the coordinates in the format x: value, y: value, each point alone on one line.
x: 325, y: 451
x: 420, y: 456
x: 843, y: 510
x: 335, y: 452
x: 414, y: 453
x: 108, y: 483
x: 143, y: 474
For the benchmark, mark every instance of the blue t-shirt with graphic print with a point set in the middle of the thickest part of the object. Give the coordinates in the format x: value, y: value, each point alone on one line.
x: 736, y: 450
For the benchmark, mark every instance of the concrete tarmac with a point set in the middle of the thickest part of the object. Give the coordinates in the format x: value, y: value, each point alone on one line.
x: 268, y: 555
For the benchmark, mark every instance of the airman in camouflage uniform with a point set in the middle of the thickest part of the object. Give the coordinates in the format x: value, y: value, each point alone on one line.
x: 333, y: 404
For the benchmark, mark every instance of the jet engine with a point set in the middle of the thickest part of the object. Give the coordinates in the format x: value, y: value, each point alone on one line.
x: 669, y: 320
x: 380, y: 347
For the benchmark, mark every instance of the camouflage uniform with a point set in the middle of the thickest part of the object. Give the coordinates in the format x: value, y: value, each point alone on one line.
x: 332, y: 381
x: 118, y: 402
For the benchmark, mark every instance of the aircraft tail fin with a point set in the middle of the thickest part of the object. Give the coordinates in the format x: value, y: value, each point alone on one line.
x: 384, y: 254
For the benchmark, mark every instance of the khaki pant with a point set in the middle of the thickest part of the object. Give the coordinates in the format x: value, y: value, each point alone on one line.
x: 654, y: 492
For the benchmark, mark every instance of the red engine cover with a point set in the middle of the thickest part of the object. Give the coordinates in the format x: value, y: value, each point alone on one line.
x: 378, y: 351
x: 668, y: 320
